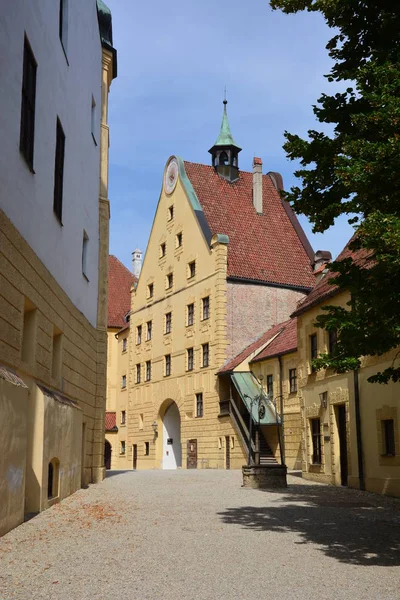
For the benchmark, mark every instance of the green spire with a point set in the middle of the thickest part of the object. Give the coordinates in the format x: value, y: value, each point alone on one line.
x: 225, y: 137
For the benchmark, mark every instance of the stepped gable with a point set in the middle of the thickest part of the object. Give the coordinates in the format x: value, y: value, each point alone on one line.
x: 284, y: 343
x: 262, y: 247
x: 120, y: 280
x: 253, y: 347
x: 325, y: 289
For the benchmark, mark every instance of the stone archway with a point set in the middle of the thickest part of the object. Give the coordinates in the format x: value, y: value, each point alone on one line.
x: 107, y: 454
x: 171, y: 438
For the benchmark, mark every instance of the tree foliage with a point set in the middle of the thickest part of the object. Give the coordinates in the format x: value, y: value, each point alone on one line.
x: 356, y: 170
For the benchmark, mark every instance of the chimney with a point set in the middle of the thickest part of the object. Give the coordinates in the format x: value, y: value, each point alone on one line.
x: 137, y: 262
x: 257, y: 185
x: 321, y: 259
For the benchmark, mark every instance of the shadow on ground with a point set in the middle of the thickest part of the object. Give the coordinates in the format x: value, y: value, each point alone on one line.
x: 350, y: 526
x: 110, y: 473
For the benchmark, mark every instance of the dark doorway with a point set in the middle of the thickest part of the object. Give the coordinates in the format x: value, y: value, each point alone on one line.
x: 134, y: 465
x: 107, y: 454
x: 50, y: 481
x: 191, y: 461
x: 341, y: 420
x: 228, y: 452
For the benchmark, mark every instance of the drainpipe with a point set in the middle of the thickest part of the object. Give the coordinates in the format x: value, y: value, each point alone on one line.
x: 358, y: 431
x: 282, y: 422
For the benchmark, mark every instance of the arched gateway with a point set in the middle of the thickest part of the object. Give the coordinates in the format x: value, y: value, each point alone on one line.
x: 171, y: 438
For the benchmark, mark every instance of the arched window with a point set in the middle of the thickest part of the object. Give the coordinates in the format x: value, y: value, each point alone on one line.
x: 223, y: 158
x: 52, y: 478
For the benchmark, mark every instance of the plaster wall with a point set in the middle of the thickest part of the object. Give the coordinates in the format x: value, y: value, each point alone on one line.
x: 252, y: 309
x: 66, y: 83
x: 13, y: 427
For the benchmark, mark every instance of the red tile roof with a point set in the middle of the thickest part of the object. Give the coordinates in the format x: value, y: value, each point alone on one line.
x: 324, y: 289
x: 111, y: 421
x: 253, y: 347
x: 284, y: 343
x: 270, y: 247
x: 120, y: 280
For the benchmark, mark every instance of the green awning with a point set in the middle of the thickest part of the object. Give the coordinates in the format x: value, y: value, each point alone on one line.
x: 249, y: 388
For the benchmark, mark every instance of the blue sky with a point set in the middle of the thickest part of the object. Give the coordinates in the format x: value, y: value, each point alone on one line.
x: 174, y: 59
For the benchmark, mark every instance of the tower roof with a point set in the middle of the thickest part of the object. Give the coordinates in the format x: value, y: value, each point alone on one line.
x: 225, y: 137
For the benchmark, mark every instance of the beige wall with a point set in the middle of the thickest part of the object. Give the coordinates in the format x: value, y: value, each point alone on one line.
x: 13, y: 411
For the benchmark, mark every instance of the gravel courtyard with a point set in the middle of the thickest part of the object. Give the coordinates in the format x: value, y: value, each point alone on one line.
x: 183, y: 535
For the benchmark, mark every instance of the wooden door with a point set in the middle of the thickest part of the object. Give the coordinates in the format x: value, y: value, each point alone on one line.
x: 191, y: 461
x: 341, y: 414
x: 227, y: 452
x: 134, y: 456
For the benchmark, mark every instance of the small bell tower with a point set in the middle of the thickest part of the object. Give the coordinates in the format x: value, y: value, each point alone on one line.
x: 225, y: 151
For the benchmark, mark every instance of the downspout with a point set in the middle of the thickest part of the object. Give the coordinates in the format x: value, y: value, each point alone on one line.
x: 281, y: 432
x: 360, y: 455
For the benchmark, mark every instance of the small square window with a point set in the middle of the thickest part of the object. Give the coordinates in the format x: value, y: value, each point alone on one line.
x: 167, y: 365
x: 139, y: 334
x: 123, y: 417
x: 123, y: 382
x: 170, y: 280
x: 168, y: 322
x: 147, y: 448
x: 270, y: 385
x: 150, y: 290
x: 190, y: 359
x: 124, y: 344
x: 171, y: 212
x: 149, y: 330
x: 206, y: 354
x: 163, y: 248
x: 206, y: 308
x: 199, y: 405
x: 123, y: 447
x: 179, y: 239
x: 148, y: 370
x: 190, y: 314
x: 192, y: 269
x: 138, y: 370
x: 293, y: 380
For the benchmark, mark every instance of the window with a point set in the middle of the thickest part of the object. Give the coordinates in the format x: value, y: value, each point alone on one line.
x: 53, y: 477
x: 206, y: 354
x: 138, y: 373
x: 56, y: 354
x: 167, y: 365
x: 293, y: 380
x: 123, y: 382
x: 389, y: 447
x: 190, y: 314
x: 149, y: 330
x: 316, y: 441
x: 163, y: 249
x: 206, y: 308
x: 148, y: 370
x: 150, y: 290
x: 139, y: 334
x: 29, y: 332
x: 332, y: 341
x: 313, y: 348
x: 168, y: 322
x: 123, y: 446
x: 192, y: 269
x: 124, y: 344
x: 270, y: 385
x: 59, y: 171
x: 141, y: 421
x: 190, y: 359
x: 146, y: 448
x: 63, y: 23
x: 170, y: 213
x: 170, y: 281
x: 199, y: 405
x: 85, y: 244
x: 179, y: 239
x: 123, y: 417
x: 27, y: 129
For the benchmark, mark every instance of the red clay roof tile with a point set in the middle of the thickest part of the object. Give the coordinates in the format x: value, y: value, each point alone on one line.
x: 120, y: 280
x: 264, y: 247
x: 285, y: 342
x: 111, y: 421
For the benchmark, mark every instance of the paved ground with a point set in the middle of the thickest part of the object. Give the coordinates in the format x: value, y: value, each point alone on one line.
x: 183, y: 535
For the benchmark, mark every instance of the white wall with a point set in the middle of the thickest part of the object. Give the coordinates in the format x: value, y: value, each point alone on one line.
x: 63, y: 90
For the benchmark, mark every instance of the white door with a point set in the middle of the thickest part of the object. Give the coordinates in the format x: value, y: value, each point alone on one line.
x: 172, y: 450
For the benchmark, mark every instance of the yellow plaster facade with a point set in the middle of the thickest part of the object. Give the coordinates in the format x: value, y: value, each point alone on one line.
x: 336, y: 416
